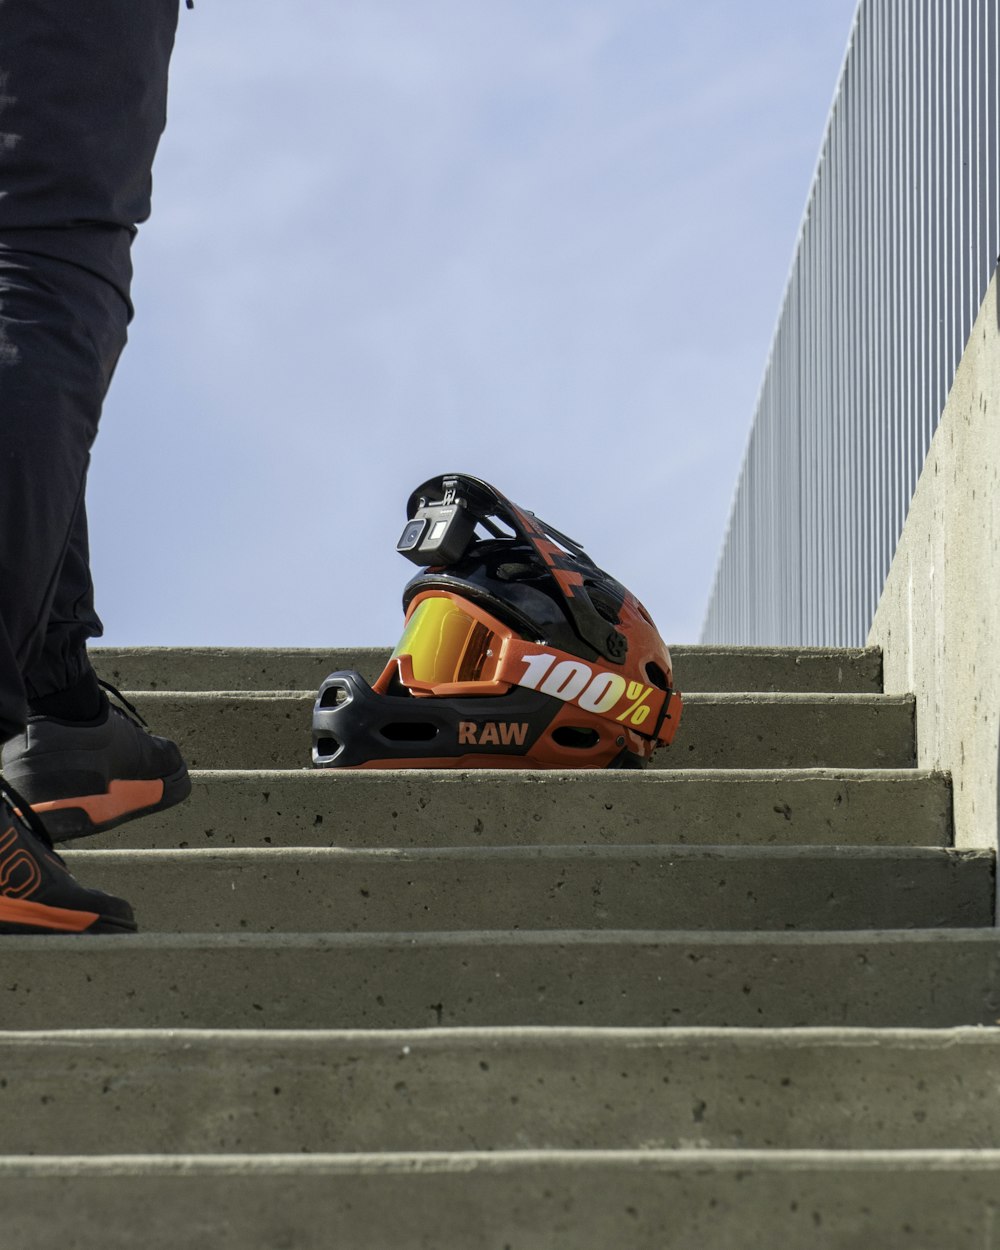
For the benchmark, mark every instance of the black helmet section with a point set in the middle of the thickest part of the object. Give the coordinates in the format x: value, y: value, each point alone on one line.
x: 507, y: 580
x: 440, y: 535
x: 354, y: 727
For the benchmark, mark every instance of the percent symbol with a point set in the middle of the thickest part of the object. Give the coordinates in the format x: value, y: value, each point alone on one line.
x: 640, y: 709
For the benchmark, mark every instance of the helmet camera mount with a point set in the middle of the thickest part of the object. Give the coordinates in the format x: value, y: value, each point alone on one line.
x: 443, y: 516
x: 440, y: 531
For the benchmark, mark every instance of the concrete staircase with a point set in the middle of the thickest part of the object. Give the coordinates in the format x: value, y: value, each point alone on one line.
x: 741, y: 1000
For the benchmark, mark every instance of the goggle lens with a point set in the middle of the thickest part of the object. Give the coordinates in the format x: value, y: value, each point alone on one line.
x: 447, y: 645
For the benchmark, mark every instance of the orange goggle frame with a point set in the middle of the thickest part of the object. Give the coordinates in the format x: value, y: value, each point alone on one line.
x: 450, y: 646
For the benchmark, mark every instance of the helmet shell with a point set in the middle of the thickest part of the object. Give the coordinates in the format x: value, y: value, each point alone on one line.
x: 554, y: 596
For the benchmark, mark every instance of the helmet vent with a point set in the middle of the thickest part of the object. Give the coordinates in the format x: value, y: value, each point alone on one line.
x: 606, y: 605
x: 575, y: 737
x: 333, y: 696
x: 416, y: 731
x: 516, y: 572
x: 656, y: 676
x: 327, y: 748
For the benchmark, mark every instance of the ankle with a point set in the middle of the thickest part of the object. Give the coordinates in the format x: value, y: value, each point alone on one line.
x: 83, y: 702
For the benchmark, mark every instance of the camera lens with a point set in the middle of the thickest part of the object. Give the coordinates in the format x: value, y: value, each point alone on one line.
x: 411, y: 535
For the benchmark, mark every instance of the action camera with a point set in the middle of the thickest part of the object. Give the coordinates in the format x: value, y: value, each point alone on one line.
x: 439, y: 533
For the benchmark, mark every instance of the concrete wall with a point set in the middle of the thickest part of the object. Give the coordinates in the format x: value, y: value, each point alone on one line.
x: 938, y: 621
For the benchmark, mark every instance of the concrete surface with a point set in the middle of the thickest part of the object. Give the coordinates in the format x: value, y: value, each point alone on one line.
x: 200, y: 1092
x: 509, y: 1201
x: 928, y: 978
x: 459, y: 807
x: 579, y: 1086
x: 320, y: 890
x: 938, y: 621
x: 273, y: 729
x: 737, y: 669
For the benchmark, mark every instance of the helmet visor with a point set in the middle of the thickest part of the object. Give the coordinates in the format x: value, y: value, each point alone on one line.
x: 449, y: 642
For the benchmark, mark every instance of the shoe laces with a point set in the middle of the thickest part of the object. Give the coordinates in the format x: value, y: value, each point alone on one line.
x: 126, y: 707
x: 23, y: 810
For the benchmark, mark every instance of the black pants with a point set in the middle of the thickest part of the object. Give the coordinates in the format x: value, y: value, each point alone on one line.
x: 82, y: 105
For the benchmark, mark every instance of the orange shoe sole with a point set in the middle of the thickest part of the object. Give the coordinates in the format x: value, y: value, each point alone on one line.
x: 81, y: 815
x: 122, y: 799
x: 19, y: 915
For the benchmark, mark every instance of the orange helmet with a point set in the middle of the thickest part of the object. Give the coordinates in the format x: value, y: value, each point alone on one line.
x: 517, y: 652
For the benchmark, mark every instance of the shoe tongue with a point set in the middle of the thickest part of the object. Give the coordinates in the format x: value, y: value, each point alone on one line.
x: 121, y: 704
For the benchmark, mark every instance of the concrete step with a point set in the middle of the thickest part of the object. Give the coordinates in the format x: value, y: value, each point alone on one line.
x: 734, y: 669
x: 443, y: 1009
x: 455, y: 807
x: 254, y: 1091
x: 520, y: 1200
x: 273, y: 729
x: 914, y: 978
x: 480, y: 888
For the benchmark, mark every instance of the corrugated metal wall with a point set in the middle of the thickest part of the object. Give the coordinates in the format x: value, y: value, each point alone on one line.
x: 898, y: 244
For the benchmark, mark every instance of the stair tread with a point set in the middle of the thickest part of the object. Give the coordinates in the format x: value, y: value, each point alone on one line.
x: 268, y: 729
x: 527, y: 1199
x: 462, y: 807
x: 304, y: 668
x: 914, y: 977
x: 545, y: 887
x: 219, y: 1091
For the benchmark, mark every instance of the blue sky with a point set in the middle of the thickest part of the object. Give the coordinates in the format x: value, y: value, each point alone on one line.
x: 542, y: 243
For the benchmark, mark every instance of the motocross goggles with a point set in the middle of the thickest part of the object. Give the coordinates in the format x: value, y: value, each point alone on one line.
x: 451, y: 647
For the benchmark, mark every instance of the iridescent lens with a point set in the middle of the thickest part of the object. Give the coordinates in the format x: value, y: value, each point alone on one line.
x: 447, y: 645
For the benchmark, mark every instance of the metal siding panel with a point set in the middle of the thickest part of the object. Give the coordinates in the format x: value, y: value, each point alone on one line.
x: 897, y: 246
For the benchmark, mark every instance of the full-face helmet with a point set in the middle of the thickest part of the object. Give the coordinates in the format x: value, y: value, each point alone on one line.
x: 517, y: 652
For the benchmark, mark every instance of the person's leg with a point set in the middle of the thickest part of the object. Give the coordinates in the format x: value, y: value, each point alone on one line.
x: 61, y: 331
x: 61, y: 681
x: 82, y: 106
x: 47, y: 380
x: 83, y: 767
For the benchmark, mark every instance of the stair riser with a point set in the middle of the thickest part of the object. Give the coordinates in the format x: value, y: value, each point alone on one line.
x: 326, y: 807
x: 927, y: 980
x: 323, y: 891
x: 275, y: 731
x: 406, y: 1092
x: 695, y: 668
x: 530, y: 1204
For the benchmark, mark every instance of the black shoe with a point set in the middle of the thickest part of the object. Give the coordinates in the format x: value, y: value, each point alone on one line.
x: 85, y: 778
x: 37, y: 892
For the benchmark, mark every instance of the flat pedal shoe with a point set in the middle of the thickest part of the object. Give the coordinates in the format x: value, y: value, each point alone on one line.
x: 38, y: 894
x: 84, y: 778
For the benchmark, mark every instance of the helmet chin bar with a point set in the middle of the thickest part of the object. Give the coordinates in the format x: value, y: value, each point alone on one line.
x: 443, y: 516
x: 356, y: 727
